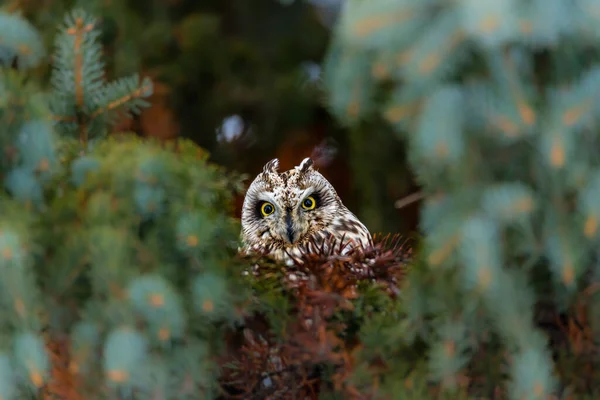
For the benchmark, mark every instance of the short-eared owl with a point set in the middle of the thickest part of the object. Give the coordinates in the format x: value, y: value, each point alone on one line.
x: 285, y: 213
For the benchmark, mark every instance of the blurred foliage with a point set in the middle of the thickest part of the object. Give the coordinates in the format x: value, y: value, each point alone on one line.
x: 114, y: 249
x: 253, y: 62
x: 497, y: 102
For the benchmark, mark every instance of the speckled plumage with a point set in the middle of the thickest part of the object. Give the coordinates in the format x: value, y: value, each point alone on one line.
x: 291, y: 228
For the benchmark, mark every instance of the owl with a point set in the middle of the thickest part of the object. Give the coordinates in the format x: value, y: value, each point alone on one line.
x: 286, y: 214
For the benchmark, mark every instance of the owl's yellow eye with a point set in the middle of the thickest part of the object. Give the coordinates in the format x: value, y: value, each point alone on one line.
x: 267, y: 209
x: 309, y: 203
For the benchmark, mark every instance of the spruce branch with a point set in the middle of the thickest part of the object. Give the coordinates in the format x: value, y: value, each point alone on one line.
x: 126, y: 93
x: 84, y: 103
x: 325, y: 295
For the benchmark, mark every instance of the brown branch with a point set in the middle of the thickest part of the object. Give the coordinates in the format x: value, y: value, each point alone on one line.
x: 61, y: 118
x: 63, y: 384
x: 119, y: 102
x: 408, y: 200
x: 78, y: 31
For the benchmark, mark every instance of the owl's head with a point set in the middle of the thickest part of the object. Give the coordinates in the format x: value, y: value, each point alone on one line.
x: 285, y: 209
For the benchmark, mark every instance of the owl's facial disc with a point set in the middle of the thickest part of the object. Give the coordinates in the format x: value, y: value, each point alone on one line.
x: 286, y: 209
x: 284, y: 224
x: 289, y: 222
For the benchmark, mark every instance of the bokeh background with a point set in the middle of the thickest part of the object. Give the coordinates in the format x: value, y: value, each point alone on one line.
x: 242, y: 79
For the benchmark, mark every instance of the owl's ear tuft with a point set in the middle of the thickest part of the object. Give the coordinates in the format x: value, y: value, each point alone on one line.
x: 305, y: 165
x: 272, y: 166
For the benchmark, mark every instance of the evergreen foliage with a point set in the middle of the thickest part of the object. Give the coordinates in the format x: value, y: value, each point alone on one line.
x: 83, y: 101
x: 120, y: 248
x: 497, y: 102
x: 305, y: 329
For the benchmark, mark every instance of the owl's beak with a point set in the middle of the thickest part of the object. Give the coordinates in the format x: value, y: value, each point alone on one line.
x: 290, y: 232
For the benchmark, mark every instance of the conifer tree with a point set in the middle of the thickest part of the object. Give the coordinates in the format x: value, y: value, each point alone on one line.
x: 119, y: 247
x: 498, y: 104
